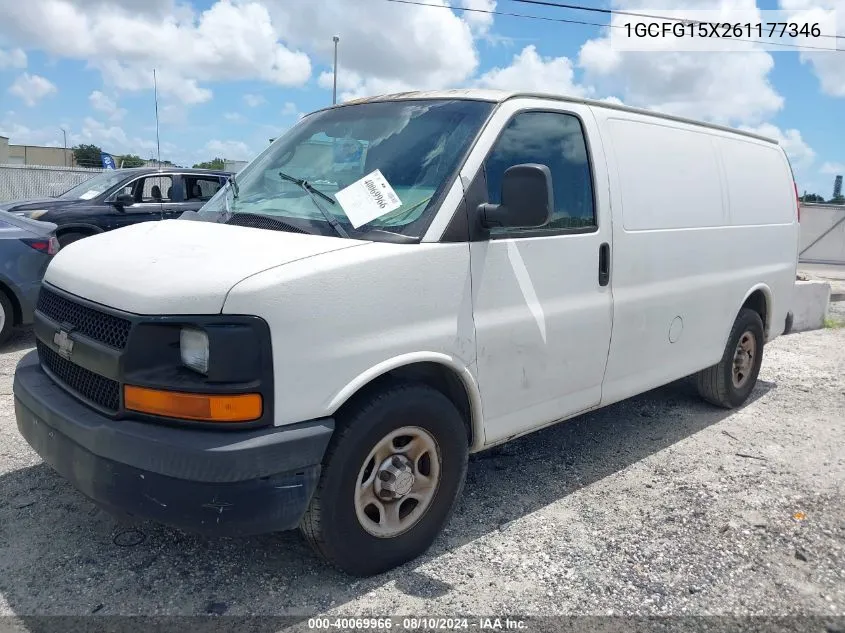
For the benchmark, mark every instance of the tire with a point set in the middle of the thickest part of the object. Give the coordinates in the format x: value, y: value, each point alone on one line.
x: 716, y: 384
x: 69, y: 238
x: 7, y: 318
x: 331, y: 524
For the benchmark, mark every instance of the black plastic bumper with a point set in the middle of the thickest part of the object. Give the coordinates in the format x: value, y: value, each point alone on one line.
x: 211, y: 482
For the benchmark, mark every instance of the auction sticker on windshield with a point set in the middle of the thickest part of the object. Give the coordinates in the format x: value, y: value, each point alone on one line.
x: 367, y: 199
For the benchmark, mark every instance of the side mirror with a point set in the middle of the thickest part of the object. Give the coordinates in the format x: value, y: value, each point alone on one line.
x: 527, y: 199
x: 124, y: 200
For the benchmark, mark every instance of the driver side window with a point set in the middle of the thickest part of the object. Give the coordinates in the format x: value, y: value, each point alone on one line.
x: 128, y: 190
x: 556, y: 140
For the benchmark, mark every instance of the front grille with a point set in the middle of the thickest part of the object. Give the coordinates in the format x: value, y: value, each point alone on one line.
x: 105, y: 328
x: 98, y: 389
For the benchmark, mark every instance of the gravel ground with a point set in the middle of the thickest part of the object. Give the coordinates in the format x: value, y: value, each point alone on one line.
x: 836, y: 313
x: 661, y: 505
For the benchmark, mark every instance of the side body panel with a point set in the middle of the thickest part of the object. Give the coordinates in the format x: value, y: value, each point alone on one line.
x: 701, y: 218
x: 344, y: 318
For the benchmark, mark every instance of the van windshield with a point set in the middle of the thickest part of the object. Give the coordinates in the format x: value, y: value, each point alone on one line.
x: 415, y: 145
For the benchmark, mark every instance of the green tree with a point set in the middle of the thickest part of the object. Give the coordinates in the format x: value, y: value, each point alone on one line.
x: 129, y: 160
x: 216, y: 163
x: 88, y: 156
x: 840, y: 199
x: 811, y: 197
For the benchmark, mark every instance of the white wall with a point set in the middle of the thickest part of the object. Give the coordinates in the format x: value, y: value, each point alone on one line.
x: 823, y: 233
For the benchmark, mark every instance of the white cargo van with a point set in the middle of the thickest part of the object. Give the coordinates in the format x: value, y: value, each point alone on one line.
x: 391, y: 285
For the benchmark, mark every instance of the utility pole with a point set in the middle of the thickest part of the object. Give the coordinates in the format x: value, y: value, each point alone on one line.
x: 335, y: 39
x: 65, y: 154
x: 158, y: 143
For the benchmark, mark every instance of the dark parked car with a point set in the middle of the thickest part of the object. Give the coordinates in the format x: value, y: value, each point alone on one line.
x: 120, y: 197
x: 26, y: 247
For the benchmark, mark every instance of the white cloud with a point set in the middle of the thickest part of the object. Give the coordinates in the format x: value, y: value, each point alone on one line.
x: 230, y: 150
x: 477, y: 17
x: 531, y: 72
x: 228, y: 41
x: 828, y: 67
x: 289, y: 109
x: 32, y: 88
x: 384, y: 47
x: 14, y: 58
x: 170, y: 82
x: 801, y: 155
x: 834, y: 169
x: 112, y: 138
x: 253, y: 101
x: 21, y: 134
x: 233, y: 116
x: 175, y: 113
x: 731, y: 87
x: 106, y: 105
x: 406, y: 47
x: 613, y: 100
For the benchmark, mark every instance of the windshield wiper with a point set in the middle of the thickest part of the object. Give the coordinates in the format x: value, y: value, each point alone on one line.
x: 232, y: 184
x: 235, y: 188
x: 313, y: 193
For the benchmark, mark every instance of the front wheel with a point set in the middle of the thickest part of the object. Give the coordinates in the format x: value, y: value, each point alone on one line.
x: 729, y: 383
x: 390, y: 479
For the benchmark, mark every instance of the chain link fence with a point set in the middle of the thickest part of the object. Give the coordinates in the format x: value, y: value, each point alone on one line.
x: 31, y: 181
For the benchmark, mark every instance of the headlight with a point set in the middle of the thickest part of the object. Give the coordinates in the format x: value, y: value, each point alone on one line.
x: 193, y: 344
x: 32, y: 215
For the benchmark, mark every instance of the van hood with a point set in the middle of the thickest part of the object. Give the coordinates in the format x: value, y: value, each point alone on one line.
x: 176, y: 267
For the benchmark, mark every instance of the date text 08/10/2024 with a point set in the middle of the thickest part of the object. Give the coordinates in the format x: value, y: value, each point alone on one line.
x: 417, y: 624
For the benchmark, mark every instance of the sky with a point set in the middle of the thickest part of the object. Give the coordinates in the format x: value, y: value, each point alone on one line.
x: 233, y: 74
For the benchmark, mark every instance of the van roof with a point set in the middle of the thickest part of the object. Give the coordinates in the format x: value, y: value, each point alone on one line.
x: 498, y: 96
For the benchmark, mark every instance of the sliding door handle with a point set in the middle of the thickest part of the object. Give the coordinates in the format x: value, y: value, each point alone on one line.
x: 604, y: 264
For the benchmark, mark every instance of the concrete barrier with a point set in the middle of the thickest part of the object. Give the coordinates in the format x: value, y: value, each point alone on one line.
x: 809, y: 305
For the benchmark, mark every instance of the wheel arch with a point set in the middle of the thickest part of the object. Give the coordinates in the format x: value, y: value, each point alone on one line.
x: 759, y: 299
x: 440, y: 371
x: 76, y: 227
x: 8, y: 289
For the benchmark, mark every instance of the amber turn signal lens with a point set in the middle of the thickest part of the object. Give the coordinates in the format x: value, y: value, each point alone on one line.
x: 193, y: 406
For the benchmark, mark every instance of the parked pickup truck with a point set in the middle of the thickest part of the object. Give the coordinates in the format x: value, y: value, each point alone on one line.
x: 121, y: 197
x: 391, y: 285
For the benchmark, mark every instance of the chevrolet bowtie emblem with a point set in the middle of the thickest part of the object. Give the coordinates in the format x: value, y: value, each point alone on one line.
x: 64, y: 343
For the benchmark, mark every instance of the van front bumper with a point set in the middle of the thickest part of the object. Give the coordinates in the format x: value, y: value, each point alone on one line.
x: 213, y: 482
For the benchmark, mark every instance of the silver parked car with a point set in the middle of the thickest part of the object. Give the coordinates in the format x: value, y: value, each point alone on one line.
x: 26, y: 248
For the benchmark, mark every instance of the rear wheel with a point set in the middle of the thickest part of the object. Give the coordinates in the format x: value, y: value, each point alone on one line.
x: 729, y: 383
x: 69, y: 238
x: 390, y: 479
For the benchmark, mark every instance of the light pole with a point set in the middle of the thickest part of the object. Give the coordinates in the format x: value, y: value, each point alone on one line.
x: 335, y: 39
x: 65, y: 153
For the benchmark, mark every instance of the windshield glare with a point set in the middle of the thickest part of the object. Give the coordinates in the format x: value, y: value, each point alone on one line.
x: 417, y: 146
x: 93, y: 187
